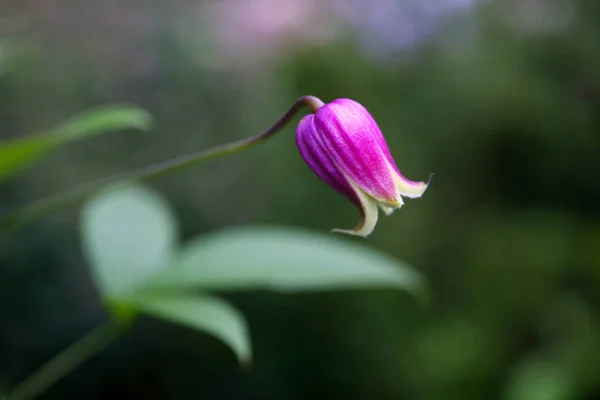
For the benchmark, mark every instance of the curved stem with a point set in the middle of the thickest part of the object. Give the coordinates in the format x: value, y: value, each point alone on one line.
x: 79, y: 193
x: 66, y: 361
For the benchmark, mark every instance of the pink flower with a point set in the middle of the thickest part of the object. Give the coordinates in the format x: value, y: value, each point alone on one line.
x: 343, y: 145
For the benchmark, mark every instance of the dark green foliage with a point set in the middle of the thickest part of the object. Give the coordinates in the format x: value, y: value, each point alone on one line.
x: 507, y: 234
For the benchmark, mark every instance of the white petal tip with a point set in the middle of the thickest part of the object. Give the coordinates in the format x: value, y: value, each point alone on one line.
x: 368, y: 211
x: 351, y: 232
x: 388, y: 210
x: 410, y: 189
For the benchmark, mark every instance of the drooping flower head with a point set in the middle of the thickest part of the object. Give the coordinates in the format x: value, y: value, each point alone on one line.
x: 343, y: 145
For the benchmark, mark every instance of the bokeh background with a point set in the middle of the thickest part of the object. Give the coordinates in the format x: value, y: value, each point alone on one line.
x: 500, y: 99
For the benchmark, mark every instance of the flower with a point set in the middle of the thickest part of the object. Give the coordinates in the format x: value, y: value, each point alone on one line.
x: 343, y: 145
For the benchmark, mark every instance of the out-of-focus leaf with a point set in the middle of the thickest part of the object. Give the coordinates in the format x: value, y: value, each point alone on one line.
x: 205, y: 313
x: 284, y: 259
x: 128, y: 234
x: 100, y: 120
x: 18, y: 154
x: 538, y: 379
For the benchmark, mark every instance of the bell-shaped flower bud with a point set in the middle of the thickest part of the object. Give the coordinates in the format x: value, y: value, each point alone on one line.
x: 343, y: 145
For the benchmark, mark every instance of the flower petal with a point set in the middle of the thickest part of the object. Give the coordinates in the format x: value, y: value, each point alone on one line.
x: 409, y: 188
x: 344, y: 146
x: 387, y: 210
x: 368, y: 213
x: 405, y: 186
x: 313, y: 153
x: 351, y: 138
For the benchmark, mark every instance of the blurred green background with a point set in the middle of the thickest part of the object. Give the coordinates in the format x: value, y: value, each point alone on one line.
x: 499, y: 99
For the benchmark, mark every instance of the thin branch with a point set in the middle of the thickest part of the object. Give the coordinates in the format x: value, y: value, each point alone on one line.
x: 67, y: 361
x: 79, y: 193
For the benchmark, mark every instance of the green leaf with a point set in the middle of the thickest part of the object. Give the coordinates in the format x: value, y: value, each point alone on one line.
x: 128, y: 234
x: 536, y: 378
x: 18, y: 154
x: 100, y: 120
x: 204, y: 313
x: 282, y: 259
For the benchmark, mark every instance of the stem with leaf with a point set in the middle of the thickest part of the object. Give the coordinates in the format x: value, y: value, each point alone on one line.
x: 55, y: 202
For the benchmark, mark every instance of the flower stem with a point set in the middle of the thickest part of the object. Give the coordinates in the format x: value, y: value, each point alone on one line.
x: 68, y: 360
x: 59, y: 200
